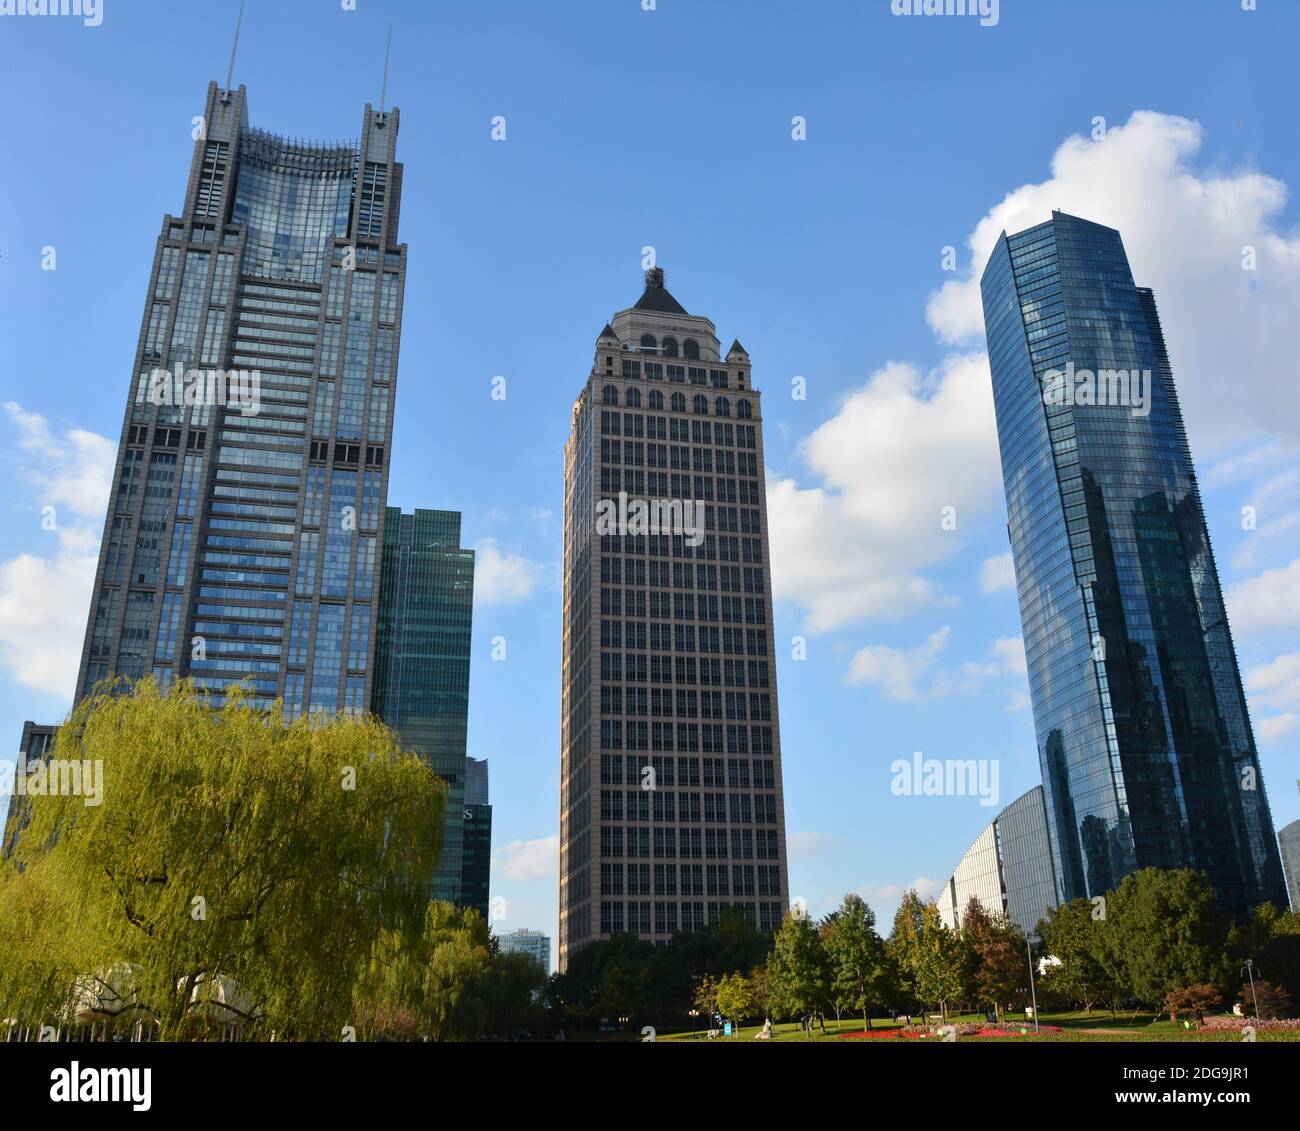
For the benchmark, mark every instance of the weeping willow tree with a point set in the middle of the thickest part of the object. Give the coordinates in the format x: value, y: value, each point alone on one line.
x: 232, y: 857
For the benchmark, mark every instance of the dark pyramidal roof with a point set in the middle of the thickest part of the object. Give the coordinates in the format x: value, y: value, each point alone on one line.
x: 656, y: 297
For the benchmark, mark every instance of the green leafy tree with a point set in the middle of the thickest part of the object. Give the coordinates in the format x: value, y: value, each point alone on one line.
x: 735, y: 998
x: 761, y: 989
x: 859, y: 966
x: 1168, y: 932
x: 1271, y: 939
x: 798, y: 972
x: 1274, y: 1002
x: 232, y: 851
x: 931, y: 959
x: 1000, y: 956
x: 1072, y: 936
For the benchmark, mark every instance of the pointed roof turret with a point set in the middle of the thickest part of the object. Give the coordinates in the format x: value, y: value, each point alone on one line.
x: 656, y: 297
x: 607, y: 332
x: 737, y: 349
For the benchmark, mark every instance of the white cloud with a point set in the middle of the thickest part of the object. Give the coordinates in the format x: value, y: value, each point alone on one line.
x: 857, y: 541
x: 1275, y: 687
x: 71, y: 470
x: 45, y: 595
x: 1010, y: 651
x: 914, y: 675
x: 1268, y: 601
x: 528, y: 859
x: 1233, y: 335
x: 884, y: 899
x: 502, y: 578
x: 806, y: 846
x: 900, y: 449
x: 998, y: 573
x: 906, y: 675
x: 1277, y: 727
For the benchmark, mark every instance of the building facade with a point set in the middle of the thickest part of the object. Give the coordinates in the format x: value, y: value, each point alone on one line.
x: 1008, y: 868
x: 535, y: 944
x: 1288, y: 841
x: 35, y: 745
x: 671, y: 807
x: 1146, y: 748
x: 422, y: 658
x: 476, y: 839
x: 243, y: 533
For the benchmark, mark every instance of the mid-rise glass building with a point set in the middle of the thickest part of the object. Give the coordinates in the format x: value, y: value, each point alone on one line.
x: 1008, y: 868
x: 535, y: 944
x: 422, y: 657
x: 1145, y: 744
x: 243, y: 532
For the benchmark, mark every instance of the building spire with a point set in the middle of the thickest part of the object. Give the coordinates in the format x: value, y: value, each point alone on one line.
x: 230, y: 71
x: 383, y: 90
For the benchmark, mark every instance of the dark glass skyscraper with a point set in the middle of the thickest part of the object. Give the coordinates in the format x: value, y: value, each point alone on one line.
x: 1146, y: 747
x: 426, y: 605
x: 671, y: 807
x: 242, y: 536
x: 476, y: 839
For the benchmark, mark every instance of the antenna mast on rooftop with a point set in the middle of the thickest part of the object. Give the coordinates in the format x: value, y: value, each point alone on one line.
x: 230, y: 71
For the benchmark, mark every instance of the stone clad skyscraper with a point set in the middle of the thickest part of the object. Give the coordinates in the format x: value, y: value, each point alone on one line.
x: 242, y: 539
x: 671, y: 808
x: 1146, y: 747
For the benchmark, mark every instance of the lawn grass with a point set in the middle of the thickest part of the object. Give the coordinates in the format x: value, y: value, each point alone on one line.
x: 1074, y: 1027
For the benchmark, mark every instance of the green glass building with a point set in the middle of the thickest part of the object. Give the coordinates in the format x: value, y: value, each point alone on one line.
x: 476, y: 839
x: 422, y: 648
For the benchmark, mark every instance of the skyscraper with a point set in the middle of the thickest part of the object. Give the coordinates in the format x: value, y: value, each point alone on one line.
x: 36, y: 745
x: 243, y: 531
x: 476, y: 839
x: 1146, y: 747
x: 1288, y: 840
x: 671, y: 806
x: 535, y: 944
x: 422, y: 653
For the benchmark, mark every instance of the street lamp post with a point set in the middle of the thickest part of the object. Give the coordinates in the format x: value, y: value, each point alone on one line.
x: 695, y: 1024
x: 1033, y: 993
x: 1249, y: 971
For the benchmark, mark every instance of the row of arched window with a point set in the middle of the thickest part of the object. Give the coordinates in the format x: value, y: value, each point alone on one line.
x: 677, y: 402
x: 668, y: 347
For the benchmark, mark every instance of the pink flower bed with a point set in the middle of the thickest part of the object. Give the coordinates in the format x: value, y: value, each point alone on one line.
x: 967, y: 1029
x: 1236, y: 1024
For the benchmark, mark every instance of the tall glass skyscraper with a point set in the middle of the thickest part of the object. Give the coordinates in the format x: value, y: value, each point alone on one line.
x: 1146, y: 748
x: 426, y: 605
x: 242, y: 537
x: 671, y: 806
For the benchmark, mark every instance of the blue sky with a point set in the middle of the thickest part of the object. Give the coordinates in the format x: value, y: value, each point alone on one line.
x: 672, y: 129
